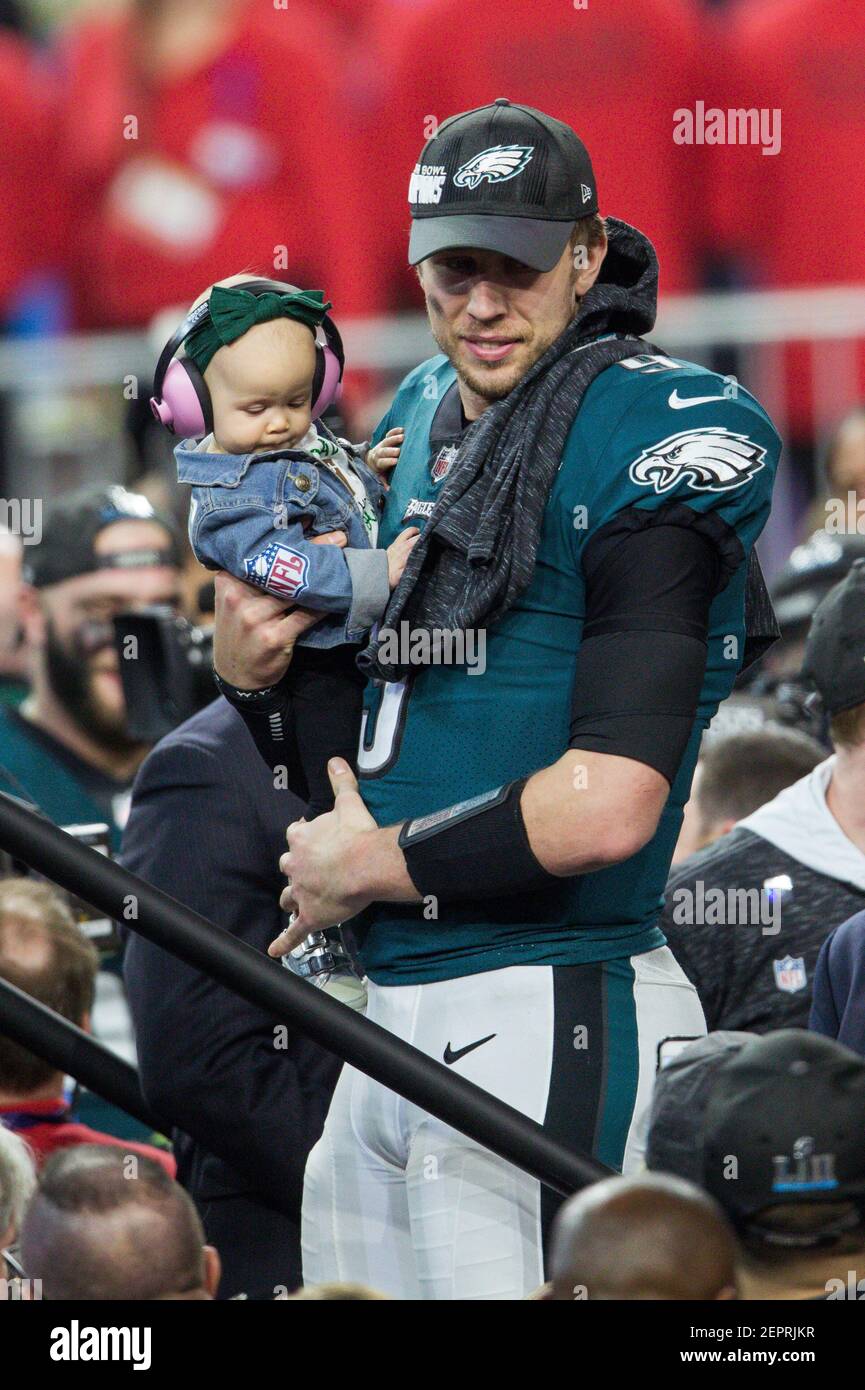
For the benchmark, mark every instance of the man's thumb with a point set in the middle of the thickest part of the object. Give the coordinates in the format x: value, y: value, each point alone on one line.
x: 342, y: 778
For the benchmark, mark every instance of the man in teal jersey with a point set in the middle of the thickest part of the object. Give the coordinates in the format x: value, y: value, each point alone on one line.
x: 505, y: 858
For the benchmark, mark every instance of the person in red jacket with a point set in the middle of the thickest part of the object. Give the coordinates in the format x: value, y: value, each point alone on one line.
x: 45, y: 954
x: 616, y: 72
x: 198, y: 136
x: 792, y: 218
x: 28, y: 213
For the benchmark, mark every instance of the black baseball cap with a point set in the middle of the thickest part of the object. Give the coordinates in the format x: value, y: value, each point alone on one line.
x: 785, y: 1124
x: 72, y: 523
x: 679, y: 1100
x: 502, y: 177
x: 811, y: 571
x: 834, y: 658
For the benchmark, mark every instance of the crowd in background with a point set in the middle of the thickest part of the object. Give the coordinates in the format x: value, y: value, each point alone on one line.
x: 149, y: 146
x: 147, y: 150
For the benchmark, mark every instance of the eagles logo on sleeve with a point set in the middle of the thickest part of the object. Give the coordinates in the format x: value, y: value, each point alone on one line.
x: 711, y: 459
x: 495, y: 165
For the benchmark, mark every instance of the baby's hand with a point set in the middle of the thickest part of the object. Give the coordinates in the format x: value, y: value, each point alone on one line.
x: 384, y: 455
x: 398, y: 552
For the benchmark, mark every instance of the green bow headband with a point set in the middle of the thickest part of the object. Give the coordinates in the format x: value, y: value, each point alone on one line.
x: 234, y: 311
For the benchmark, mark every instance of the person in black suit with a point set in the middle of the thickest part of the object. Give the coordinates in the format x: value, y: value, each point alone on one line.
x: 207, y: 826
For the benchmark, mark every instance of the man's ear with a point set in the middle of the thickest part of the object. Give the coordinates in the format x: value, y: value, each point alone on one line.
x: 587, y: 265
x: 212, y: 1269
x: 709, y: 833
x: 31, y: 615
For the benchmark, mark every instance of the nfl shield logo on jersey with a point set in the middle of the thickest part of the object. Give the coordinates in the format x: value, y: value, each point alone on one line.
x: 790, y: 974
x: 443, y: 462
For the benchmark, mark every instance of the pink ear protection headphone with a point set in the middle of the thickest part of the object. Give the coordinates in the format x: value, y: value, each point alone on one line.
x: 181, y: 400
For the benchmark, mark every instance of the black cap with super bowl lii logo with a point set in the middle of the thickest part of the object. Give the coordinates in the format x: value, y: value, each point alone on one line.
x: 834, y: 657
x: 503, y: 177
x: 785, y: 1126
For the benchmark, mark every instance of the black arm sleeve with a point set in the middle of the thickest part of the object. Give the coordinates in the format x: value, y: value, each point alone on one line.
x: 650, y: 581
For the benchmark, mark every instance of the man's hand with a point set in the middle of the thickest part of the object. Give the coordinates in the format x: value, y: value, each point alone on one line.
x: 255, y: 633
x: 321, y: 864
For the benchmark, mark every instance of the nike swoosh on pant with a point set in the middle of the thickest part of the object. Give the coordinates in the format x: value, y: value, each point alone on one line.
x: 451, y: 1057
x: 675, y: 401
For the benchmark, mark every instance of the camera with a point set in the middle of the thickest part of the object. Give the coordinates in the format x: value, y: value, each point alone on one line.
x: 166, y: 669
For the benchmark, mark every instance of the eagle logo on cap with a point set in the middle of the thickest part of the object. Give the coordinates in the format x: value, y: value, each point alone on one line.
x: 712, y: 459
x: 497, y: 164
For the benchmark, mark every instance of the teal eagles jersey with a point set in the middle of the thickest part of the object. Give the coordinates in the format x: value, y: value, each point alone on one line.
x: 35, y: 767
x: 651, y: 431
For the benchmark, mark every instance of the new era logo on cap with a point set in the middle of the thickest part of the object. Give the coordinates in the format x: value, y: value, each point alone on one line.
x: 504, y: 178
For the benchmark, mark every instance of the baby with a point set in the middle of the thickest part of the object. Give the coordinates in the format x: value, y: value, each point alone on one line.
x: 268, y: 488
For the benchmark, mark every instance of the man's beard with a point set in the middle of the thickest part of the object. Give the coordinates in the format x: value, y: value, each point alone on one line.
x: 482, y: 384
x: 487, y: 386
x: 71, y: 679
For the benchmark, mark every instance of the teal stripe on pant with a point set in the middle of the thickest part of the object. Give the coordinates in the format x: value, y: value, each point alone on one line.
x: 622, y: 1063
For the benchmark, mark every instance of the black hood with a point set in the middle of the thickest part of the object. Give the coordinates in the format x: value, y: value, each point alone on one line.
x: 624, y: 298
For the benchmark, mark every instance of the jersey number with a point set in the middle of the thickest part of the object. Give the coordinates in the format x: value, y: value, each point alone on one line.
x: 375, y: 756
x: 648, y: 362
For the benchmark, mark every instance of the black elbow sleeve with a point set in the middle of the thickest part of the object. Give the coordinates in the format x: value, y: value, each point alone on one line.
x: 650, y: 581
x: 636, y: 695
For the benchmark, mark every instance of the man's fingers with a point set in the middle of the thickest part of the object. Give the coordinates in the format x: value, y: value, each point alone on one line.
x: 295, y: 624
x: 233, y: 594
x: 280, y: 946
x: 289, y: 831
x: 331, y: 538
x: 296, y: 932
x: 225, y: 584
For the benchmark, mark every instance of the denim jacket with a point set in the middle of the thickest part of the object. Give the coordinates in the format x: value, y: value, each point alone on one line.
x: 246, y: 516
